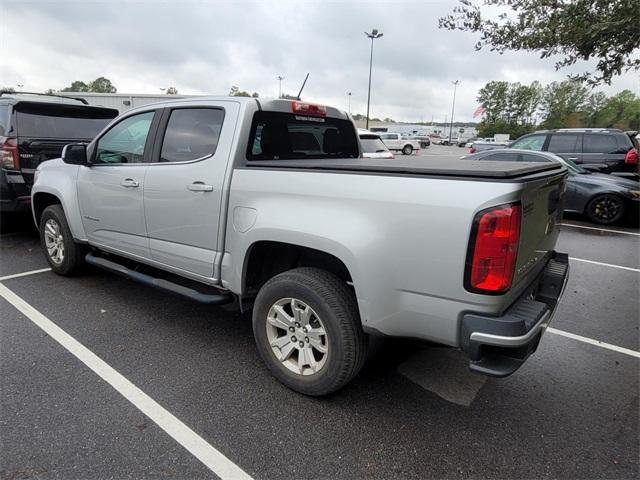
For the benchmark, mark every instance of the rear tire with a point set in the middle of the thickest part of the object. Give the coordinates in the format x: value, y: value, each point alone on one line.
x: 308, y: 311
x: 407, y: 150
x: 605, y: 209
x: 63, y: 255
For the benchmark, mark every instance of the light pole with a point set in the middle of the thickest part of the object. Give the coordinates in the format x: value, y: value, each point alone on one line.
x: 455, y: 86
x: 349, y: 94
x: 280, y: 78
x: 373, y: 35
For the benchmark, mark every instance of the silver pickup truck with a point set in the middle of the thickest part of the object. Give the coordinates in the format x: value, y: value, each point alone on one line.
x: 270, y: 205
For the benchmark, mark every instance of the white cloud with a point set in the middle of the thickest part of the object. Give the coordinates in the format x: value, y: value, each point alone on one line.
x: 208, y: 46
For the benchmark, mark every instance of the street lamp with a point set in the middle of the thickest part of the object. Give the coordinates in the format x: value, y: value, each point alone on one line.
x: 280, y: 78
x: 373, y: 35
x: 455, y: 86
x: 349, y: 102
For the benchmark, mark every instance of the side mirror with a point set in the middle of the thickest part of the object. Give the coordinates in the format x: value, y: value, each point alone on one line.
x: 75, y: 154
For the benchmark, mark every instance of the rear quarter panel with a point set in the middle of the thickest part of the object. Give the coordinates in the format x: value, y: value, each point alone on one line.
x: 403, y: 239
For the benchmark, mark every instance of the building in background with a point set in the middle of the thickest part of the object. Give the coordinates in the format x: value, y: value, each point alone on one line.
x: 121, y: 101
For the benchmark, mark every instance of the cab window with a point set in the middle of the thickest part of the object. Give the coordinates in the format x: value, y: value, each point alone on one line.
x: 125, y: 142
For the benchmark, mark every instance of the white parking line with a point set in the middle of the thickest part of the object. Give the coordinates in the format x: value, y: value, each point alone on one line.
x: 191, y: 441
x: 610, y: 265
x: 24, y: 274
x: 599, y: 229
x: 597, y: 343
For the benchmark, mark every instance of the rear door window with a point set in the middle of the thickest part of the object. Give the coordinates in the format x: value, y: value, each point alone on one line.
x: 601, y: 143
x: 564, y: 143
x: 533, y: 142
x: 284, y: 136
x: 191, y: 133
x: 64, y: 122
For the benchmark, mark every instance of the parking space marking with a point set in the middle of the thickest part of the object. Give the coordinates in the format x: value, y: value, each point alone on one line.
x: 605, y: 264
x: 24, y: 274
x: 213, y: 459
x: 597, y: 343
x: 599, y: 229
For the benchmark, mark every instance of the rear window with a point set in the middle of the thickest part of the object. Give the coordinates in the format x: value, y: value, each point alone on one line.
x: 372, y: 144
x: 284, y: 136
x: 4, y: 120
x: 61, y: 121
x: 601, y: 143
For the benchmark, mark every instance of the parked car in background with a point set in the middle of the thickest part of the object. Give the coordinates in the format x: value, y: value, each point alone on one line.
x: 373, y: 146
x: 602, y: 198
x: 490, y: 143
x: 468, y: 143
x: 396, y: 143
x: 615, y: 149
x: 423, y: 140
x: 35, y: 128
x: 180, y: 196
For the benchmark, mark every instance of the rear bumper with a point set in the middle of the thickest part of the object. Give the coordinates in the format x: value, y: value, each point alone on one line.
x: 14, y: 192
x: 498, y: 346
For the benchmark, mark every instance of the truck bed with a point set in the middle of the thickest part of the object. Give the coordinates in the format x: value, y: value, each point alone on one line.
x: 416, y: 166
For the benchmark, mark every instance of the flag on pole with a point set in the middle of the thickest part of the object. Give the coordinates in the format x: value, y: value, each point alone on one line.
x: 479, y: 111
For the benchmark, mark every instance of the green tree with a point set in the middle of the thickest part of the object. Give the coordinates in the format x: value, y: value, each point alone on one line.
x: 102, y: 85
x: 172, y: 91
x: 621, y: 111
x: 565, y: 104
x: 7, y: 89
x: 236, y: 92
x: 604, y: 30
x: 77, y: 86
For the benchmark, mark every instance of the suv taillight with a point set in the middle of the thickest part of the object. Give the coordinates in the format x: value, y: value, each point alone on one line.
x: 9, y: 154
x: 493, y: 249
x: 631, y: 158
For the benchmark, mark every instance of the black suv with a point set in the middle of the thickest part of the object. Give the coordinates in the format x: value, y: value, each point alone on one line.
x: 615, y: 149
x: 34, y: 128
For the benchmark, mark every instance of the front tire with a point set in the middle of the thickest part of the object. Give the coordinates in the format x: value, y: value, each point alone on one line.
x: 605, y: 209
x: 407, y: 150
x: 308, y: 332
x: 63, y: 255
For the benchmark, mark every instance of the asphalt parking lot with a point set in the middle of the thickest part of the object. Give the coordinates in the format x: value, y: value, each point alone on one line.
x: 211, y: 408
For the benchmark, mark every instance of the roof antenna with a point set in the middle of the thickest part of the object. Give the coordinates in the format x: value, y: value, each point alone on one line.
x: 302, y: 87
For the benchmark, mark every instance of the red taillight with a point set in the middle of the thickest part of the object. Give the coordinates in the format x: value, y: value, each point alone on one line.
x: 9, y: 154
x: 631, y: 158
x: 493, y: 250
x: 472, y: 150
x: 309, y: 109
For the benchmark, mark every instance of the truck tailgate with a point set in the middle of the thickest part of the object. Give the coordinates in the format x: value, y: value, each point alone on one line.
x: 542, y: 206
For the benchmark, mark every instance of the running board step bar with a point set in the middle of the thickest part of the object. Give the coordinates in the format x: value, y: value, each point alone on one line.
x: 162, y: 284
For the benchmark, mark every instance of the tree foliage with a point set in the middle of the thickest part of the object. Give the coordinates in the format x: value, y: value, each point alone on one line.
x: 172, y: 91
x: 514, y: 108
x: 99, y: 85
x: 236, y: 92
x: 603, y: 30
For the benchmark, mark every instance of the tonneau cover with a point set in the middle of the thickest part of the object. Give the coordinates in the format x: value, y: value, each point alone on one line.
x: 417, y: 166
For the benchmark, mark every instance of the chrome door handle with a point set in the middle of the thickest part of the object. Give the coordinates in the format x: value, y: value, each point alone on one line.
x: 129, y: 183
x: 200, y: 187
x: 573, y: 159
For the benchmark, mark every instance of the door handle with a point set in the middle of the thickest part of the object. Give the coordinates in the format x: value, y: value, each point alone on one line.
x: 129, y: 183
x: 200, y: 187
x: 573, y: 159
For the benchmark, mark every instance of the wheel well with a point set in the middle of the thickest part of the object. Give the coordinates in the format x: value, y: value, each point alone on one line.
x: 41, y: 201
x: 268, y: 259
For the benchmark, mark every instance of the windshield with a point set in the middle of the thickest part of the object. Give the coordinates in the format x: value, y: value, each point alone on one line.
x: 61, y: 121
x: 372, y: 144
x: 286, y: 136
x: 573, y: 167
